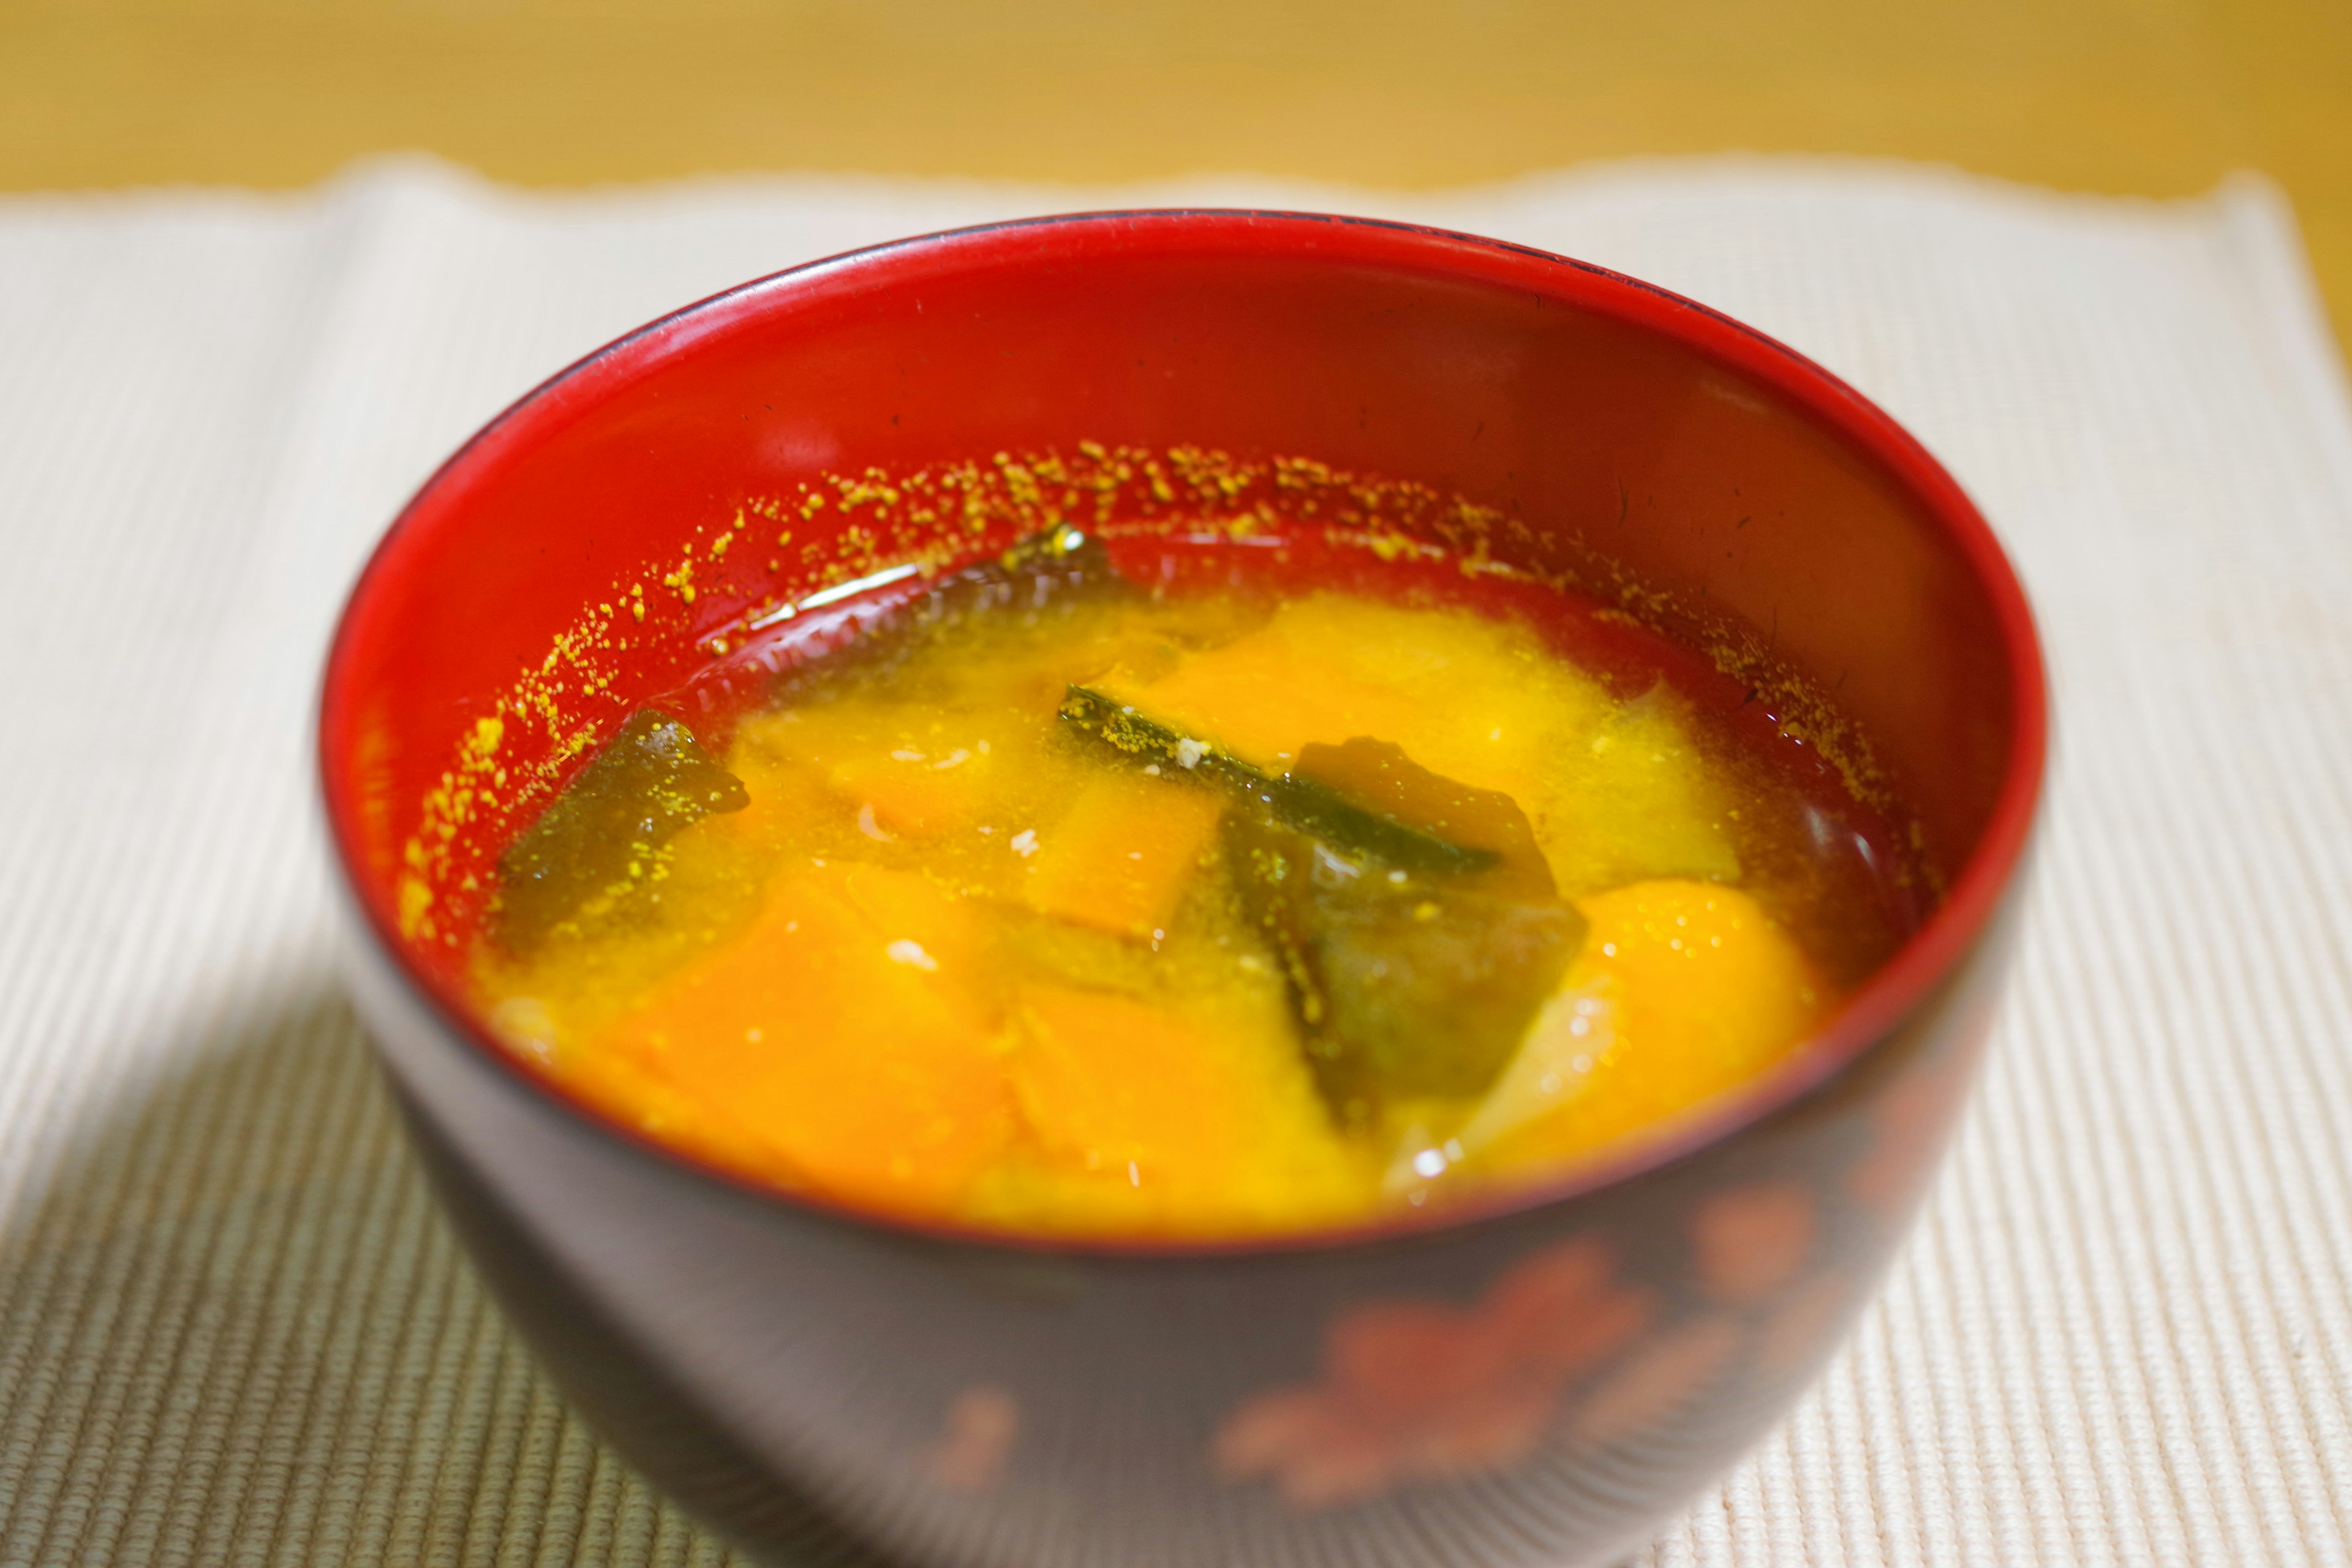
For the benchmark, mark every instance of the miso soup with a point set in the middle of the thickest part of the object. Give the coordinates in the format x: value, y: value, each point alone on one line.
x: 1189, y: 888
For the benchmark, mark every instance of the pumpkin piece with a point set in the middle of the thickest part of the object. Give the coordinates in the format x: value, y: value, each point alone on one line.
x: 841, y: 1036
x: 1104, y: 1079
x: 1198, y: 1116
x: 1631, y: 800
x: 1404, y: 987
x: 637, y: 1094
x: 1616, y: 791
x: 905, y: 907
x: 913, y: 794
x: 1473, y: 699
x: 1684, y: 990
x: 1300, y: 802
x: 1378, y: 775
x: 1122, y: 857
x: 1266, y: 695
x: 902, y: 779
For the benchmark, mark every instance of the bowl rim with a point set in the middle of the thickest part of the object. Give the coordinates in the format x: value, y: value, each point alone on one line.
x: 1934, y: 952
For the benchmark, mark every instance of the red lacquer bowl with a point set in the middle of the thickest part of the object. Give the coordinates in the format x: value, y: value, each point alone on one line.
x: 1539, y: 1381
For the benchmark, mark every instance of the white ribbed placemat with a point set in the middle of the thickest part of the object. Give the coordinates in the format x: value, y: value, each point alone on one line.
x: 232, y: 1329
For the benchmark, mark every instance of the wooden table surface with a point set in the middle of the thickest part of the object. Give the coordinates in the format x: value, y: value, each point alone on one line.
x: 2155, y: 96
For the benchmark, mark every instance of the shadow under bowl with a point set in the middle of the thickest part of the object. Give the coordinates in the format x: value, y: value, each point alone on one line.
x: 1540, y: 1381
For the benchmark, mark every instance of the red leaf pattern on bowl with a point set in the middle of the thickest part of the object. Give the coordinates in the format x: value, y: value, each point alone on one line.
x: 975, y: 1439
x: 1651, y: 1385
x: 1749, y: 1241
x: 1423, y: 1391
x: 1905, y: 1129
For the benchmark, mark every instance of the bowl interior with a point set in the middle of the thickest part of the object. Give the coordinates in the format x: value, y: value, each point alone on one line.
x: 1604, y: 422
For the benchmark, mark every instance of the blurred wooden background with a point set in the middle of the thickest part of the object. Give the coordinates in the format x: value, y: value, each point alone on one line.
x: 2156, y: 96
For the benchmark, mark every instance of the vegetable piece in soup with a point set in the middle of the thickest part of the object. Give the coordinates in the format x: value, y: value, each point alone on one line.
x: 1050, y: 904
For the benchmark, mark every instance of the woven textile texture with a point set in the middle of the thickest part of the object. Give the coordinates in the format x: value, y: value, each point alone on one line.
x: 233, y: 1331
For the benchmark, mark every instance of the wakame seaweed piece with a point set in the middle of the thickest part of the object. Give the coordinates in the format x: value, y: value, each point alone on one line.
x: 1404, y: 987
x: 652, y: 780
x: 1054, y: 568
x: 1301, y: 803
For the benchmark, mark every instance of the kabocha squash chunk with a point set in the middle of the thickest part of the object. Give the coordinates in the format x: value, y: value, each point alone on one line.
x: 1122, y: 857
x: 1107, y: 1081
x: 652, y: 780
x: 897, y: 782
x: 1415, y: 956
x: 1614, y: 789
x: 1684, y: 990
x: 842, y: 1036
x: 1475, y: 699
x: 1376, y: 775
x: 1632, y: 802
x: 1302, y: 803
x: 1404, y: 987
x: 1195, y: 1115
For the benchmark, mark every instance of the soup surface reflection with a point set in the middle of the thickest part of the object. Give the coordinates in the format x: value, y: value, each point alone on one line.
x: 1190, y: 891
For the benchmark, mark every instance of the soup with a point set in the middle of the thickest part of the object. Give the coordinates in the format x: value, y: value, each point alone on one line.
x: 1188, y: 888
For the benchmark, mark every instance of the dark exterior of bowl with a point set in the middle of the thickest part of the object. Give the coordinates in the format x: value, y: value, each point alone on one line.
x: 1536, y: 1386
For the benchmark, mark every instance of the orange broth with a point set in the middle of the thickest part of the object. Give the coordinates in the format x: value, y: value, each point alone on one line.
x: 1188, y: 887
